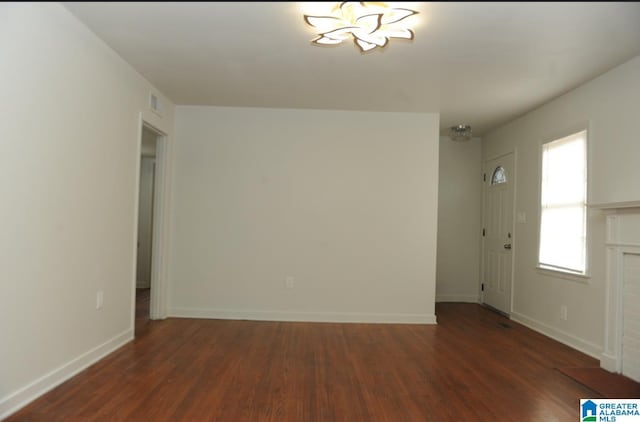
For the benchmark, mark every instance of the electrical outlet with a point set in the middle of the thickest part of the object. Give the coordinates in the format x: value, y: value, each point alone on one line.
x: 99, y: 299
x: 289, y: 282
x: 563, y: 312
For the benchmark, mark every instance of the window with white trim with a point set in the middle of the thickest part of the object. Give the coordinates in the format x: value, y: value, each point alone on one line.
x: 563, y: 205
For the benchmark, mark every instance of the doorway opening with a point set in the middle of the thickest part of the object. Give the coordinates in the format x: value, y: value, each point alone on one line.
x: 148, y: 286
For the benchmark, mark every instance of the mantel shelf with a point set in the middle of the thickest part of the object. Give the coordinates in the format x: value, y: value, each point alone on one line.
x: 616, y: 205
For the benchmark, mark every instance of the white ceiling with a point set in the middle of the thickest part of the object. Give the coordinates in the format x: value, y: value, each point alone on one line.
x: 477, y: 63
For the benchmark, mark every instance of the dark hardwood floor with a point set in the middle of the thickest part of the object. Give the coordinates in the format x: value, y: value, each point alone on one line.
x: 474, y: 365
x: 143, y: 297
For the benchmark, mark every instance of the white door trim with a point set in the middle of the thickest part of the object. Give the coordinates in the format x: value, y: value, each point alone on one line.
x: 161, y: 206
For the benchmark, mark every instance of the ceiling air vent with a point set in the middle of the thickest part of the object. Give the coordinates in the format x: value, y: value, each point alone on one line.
x: 154, y: 103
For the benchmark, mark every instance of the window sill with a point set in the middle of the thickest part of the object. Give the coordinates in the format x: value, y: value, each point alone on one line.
x: 579, y: 278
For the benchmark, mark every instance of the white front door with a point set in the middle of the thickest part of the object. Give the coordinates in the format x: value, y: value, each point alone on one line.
x: 497, y: 231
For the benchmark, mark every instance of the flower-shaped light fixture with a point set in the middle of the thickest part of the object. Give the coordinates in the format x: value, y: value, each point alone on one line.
x: 371, y: 24
x: 460, y: 133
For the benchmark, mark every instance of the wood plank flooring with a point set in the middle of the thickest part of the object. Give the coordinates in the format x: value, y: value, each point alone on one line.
x: 474, y: 365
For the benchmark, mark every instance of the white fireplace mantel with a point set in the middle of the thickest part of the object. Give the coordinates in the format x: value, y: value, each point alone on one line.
x: 622, y: 239
x: 614, y: 206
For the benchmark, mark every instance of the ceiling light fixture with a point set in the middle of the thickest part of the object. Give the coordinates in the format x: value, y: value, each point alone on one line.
x: 460, y: 133
x: 371, y: 24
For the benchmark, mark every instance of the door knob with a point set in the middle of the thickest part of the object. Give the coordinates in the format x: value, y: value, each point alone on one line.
x: 507, y: 246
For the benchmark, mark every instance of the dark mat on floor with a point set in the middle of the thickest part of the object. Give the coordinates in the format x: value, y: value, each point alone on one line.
x: 605, y: 383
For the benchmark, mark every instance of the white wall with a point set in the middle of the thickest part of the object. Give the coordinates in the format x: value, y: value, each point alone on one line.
x: 608, y: 105
x: 459, y: 221
x: 69, y: 142
x: 344, y: 202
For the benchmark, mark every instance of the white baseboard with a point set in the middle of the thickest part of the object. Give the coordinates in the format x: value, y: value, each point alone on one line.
x: 608, y: 362
x: 294, y: 316
x: 563, y: 337
x: 458, y: 298
x: 20, y: 398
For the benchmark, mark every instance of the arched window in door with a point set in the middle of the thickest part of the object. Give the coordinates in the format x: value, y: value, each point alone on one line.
x: 499, y: 176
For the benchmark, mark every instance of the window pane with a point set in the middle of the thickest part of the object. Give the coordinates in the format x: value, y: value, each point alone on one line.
x: 562, y: 237
x: 499, y: 176
x: 563, y: 204
x: 564, y: 173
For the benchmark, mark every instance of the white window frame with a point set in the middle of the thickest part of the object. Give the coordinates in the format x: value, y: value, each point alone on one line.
x: 551, y: 270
